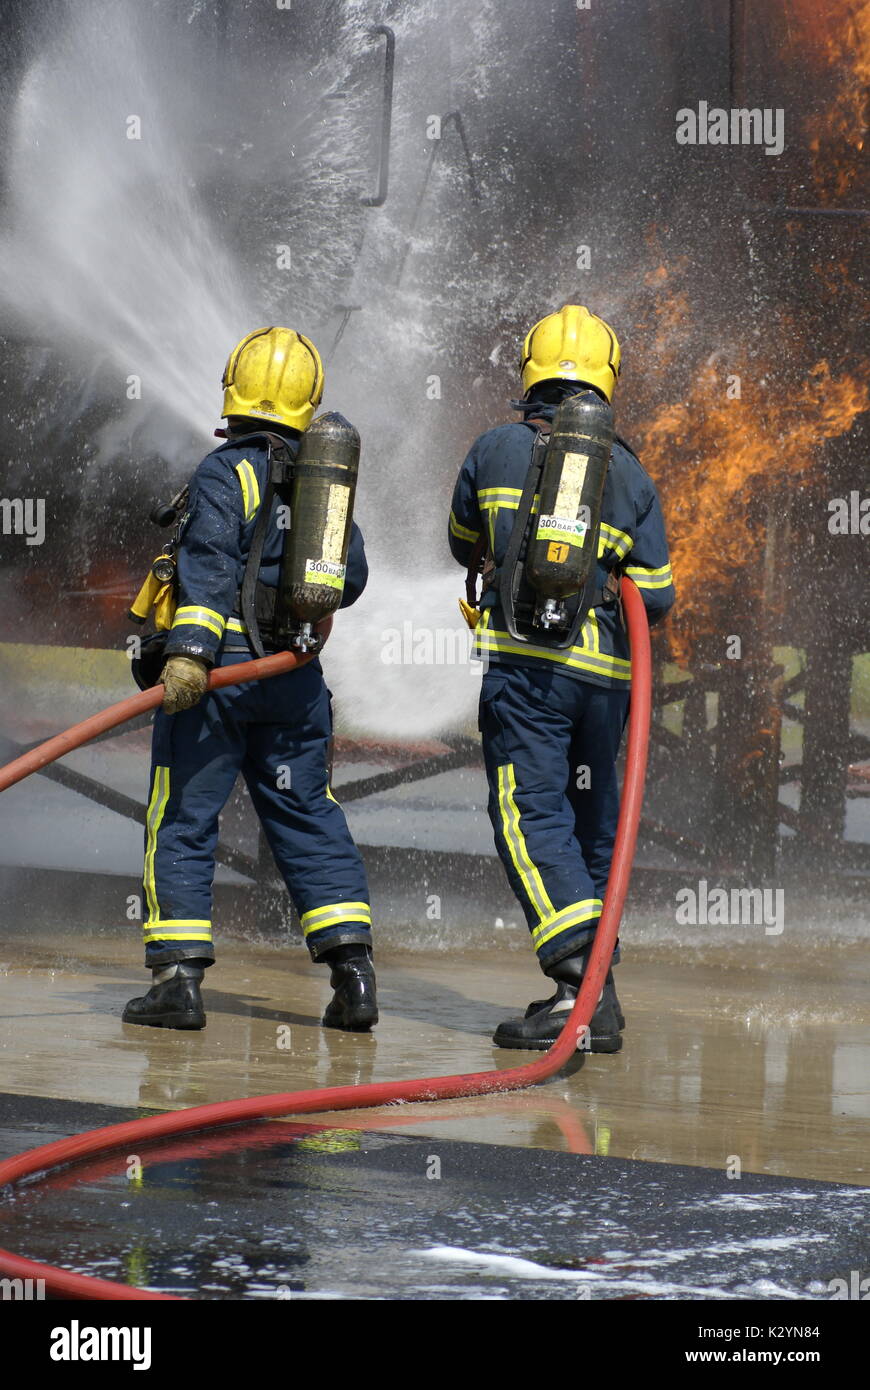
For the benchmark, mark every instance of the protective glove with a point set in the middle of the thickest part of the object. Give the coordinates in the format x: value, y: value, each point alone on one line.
x: 185, y: 679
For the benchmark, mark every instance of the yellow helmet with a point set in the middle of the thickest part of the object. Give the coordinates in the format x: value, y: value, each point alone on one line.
x: 572, y: 345
x: 274, y: 374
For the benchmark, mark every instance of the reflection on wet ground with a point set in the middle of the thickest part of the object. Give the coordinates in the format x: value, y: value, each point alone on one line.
x: 729, y: 1056
x: 735, y: 1064
x: 283, y: 1210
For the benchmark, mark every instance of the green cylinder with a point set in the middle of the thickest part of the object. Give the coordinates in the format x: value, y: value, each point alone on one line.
x: 311, y: 579
x: 563, y: 542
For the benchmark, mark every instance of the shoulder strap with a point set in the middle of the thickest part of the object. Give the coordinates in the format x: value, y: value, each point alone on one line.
x: 280, y: 471
x: 510, y: 577
x: 273, y: 440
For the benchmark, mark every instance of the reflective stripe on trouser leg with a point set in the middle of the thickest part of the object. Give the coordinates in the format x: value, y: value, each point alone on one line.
x: 153, y: 818
x: 192, y: 929
x: 195, y: 759
x: 529, y: 876
x: 551, y: 923
x: 528, y: 720
x: 322, y: 919
x: 158, y: 931
x: 577, y: 915
x: 307, y: 829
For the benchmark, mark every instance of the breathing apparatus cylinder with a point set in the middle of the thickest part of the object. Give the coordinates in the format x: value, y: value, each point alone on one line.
x: 314, y: 562
x: 563, y: 543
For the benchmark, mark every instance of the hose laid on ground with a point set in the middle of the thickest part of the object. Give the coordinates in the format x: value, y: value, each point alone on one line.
x: 63, y: 1284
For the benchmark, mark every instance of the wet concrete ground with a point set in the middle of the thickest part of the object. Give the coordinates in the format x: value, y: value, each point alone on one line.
x: 738, y: 1054
x: 696, y: 1163
x: 284, y: 1210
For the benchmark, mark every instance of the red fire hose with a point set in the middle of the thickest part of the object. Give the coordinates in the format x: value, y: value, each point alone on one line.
x: 63, y: 1284
x: 110, y: 718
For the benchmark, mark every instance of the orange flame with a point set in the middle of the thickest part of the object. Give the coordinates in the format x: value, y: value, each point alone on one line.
x: 722, y: 463
x: 719, y: 459
x: 828, y: 43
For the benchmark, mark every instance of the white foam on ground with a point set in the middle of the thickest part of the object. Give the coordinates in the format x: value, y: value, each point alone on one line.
x: 490, y: 1263
x: 732, y: 1247
x: 760, y: 1201
x: 511, y: 1266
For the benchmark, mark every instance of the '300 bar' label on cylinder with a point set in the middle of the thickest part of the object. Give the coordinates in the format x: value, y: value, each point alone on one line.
x: 570, y: 529
x: 325, y: 572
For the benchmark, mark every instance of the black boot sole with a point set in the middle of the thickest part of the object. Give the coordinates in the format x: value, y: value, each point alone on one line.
x: 184, y: 1022
x: 608, y: 1043
x: 360, y: 1023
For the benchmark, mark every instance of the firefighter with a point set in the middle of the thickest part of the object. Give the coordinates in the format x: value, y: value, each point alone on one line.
x: 552, y: 717
x: 276, y: 732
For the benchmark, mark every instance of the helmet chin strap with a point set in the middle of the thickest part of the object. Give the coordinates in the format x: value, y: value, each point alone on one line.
x: 251, y: 424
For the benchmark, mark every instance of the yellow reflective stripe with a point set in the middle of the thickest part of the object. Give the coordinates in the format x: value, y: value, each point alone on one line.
x: 492, y: 640
x: 651, y: 583
x: 190, y: 615
x: 483, y: 492
x: 338, y: 920
x: 516, y: 843
x: 647, y: 569
x: 330, y: 795
x: 617, y: 541
x: 589, y: 633
x: 618, y: 537
x: 246, y: 491
x: 196, y: 929
x: 333, y: 914
x: 462, y: 532
x: 329, y: 908
x: 153, y: 817
x: 236, y: 625
x: 646, y: 578
x: 499, y: 641
x: 507, y: 497
x: 250, y: 488
x: 567, y: 917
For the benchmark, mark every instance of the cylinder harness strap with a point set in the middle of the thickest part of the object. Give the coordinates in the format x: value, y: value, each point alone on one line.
x: 507, y: 580
x: 280, y: 469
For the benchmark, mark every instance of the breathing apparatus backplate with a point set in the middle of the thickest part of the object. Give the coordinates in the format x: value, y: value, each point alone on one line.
x: 518, y: 594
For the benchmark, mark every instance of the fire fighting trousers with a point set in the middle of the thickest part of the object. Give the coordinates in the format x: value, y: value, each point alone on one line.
x: 275, y: 732
x: 550, y: 744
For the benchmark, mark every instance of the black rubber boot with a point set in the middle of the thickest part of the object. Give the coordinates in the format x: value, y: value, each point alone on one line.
x: 608, y: 985
x: 544, y: 1019
x: 173, y: 1001
x: 354, y: 1006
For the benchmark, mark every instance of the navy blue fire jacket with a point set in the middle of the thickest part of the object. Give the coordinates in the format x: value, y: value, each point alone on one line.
x: 216, y: 534
x: 631, y: 540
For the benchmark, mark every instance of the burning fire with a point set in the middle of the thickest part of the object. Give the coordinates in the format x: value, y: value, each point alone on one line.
x: 838, y: 43
x: 723, y: 461
x: 725, y: 465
